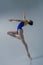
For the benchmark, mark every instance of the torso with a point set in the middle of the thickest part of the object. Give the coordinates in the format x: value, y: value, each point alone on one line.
x: 22, y: 24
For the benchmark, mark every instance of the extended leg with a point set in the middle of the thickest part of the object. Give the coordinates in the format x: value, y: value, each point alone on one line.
x: 25, y: 44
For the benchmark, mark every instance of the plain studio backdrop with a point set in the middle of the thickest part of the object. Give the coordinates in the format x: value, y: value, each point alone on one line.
x: 12, y: 51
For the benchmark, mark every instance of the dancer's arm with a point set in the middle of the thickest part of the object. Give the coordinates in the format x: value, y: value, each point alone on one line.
x: 18, y: 20
x: 15, y: 20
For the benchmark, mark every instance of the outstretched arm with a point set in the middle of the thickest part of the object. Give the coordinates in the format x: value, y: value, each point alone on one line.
x: 14, y: 20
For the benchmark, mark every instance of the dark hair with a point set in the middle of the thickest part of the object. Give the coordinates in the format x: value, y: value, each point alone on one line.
x: 30, y: 22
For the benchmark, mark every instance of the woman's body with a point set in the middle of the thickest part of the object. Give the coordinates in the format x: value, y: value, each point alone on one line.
x: 19, y: 33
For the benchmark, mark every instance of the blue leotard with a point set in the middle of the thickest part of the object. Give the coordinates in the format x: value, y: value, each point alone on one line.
x: 21, y: 24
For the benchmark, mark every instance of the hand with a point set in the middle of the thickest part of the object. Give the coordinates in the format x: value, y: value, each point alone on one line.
x: 10, y: 20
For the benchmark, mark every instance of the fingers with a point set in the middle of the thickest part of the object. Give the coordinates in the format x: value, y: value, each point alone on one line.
x: 10, y: 20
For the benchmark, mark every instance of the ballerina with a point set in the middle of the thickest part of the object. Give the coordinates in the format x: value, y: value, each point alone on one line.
x: 19, y: 33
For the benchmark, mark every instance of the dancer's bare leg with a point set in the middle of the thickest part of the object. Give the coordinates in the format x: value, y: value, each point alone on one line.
x: 20, y: 32
x: 20, y: 36
x: 13, y: 34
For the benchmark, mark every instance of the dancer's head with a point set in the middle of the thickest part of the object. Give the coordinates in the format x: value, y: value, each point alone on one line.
x: 30, y: 22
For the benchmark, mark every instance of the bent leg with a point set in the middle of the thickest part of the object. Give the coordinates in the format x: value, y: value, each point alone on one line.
x: 12, y: 33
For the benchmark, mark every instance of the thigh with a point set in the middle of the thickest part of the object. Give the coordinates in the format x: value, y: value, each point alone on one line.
x: 20, y: 32
x: 13, y: 32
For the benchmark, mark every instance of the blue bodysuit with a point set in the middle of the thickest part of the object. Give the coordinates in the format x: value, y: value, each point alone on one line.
x: 21, y: 24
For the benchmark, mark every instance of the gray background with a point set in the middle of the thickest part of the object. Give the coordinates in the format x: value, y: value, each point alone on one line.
x: 12, y: 51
